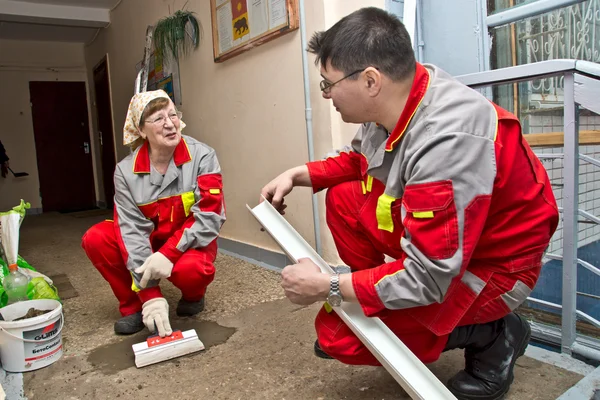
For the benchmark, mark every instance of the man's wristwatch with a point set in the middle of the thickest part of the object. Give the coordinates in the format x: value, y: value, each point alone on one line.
x: 335, y: 295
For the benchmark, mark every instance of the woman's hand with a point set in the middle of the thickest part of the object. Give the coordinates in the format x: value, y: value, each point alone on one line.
x: 157, y: 266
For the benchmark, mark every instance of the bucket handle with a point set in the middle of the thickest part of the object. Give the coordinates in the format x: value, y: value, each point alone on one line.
x: 62, y: 319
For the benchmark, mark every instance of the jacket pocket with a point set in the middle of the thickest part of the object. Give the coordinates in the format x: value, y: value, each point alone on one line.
x: 431, y: 218
x: 211, y: 193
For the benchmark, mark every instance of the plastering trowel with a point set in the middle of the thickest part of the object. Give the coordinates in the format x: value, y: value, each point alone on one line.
x: 156, y: 349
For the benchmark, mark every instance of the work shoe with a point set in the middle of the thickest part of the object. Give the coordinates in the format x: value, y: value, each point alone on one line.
x: 320, y: 353
x: 189, y: 308
x: 491, y: 351
x: 129, y: 324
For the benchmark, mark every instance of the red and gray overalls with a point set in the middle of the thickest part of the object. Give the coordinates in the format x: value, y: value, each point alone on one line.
x: 455, y: 194
x: 179, y: 214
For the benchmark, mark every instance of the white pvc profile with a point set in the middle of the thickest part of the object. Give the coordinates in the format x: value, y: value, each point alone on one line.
x: 414, y: 377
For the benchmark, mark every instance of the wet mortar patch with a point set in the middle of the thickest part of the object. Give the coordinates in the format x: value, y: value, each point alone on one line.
x: 115, y: 357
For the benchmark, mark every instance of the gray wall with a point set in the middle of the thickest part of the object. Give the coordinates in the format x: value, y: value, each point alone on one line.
x: 396, y: 7
x: 452, y: 35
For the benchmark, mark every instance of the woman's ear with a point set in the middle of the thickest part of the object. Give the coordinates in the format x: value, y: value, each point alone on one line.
x: 142, y: 134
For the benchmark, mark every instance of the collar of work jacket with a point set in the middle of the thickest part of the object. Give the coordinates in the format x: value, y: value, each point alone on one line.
x: 415, y: 97
x: 141, y: 164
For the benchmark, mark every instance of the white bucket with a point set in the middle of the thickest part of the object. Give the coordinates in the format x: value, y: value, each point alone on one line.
x: 31, y: 343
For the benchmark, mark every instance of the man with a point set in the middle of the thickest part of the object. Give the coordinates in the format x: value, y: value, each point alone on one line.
x: 3, y: 161
x: 441, y: 180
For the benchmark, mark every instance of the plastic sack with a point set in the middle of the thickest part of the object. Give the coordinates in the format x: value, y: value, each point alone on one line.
x: 39, y: 286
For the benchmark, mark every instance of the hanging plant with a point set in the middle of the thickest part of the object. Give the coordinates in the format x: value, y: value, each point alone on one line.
x: 177, y: 34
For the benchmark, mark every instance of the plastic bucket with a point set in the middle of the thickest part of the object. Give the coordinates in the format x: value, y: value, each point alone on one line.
x: 31, y: 343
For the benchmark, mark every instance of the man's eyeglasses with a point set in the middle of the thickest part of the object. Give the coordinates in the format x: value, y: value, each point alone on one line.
x: 326, y: 85
x: 173, y: 116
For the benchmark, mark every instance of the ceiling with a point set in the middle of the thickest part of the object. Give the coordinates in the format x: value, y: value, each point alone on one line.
x: 76, y: 3
x: 50, y: 33
x: 54, y: 20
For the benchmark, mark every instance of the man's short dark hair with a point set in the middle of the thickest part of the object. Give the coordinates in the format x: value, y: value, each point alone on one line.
x: 369, y: 37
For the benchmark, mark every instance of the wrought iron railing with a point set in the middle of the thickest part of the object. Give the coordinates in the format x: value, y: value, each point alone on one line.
x: 581, y: 87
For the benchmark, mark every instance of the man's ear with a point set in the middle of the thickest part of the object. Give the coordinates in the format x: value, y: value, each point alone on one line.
x: 373, y: 80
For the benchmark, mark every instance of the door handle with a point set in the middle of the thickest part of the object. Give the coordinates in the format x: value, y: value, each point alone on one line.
x: 100, y: 138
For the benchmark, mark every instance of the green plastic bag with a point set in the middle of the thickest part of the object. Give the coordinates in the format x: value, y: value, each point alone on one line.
x: 38, y: 287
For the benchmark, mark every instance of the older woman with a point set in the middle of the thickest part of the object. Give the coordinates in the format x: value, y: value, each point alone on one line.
x: 168, y: 212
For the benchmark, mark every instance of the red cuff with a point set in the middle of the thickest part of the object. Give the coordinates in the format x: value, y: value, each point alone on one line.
x: 171, y: 253
x: 149, y: 293
x: 363, y: 283
x: 318, y: 177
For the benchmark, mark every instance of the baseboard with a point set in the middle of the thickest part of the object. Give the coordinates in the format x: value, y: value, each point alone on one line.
x: 254, y: 255
x: 34, y: 211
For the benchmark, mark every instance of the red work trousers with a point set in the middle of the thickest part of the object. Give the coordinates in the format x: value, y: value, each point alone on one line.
x: 361, y: 245
x: 191, y: 274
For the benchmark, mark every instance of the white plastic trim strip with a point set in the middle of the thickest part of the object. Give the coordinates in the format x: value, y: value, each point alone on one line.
x: 414, y: 377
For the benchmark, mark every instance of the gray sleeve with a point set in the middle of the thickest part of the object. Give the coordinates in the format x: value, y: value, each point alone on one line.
x: 132, y: 228
x: 449, y: 178
x: 356, y: 142
x: 354, y: 145
x: 209, y: 209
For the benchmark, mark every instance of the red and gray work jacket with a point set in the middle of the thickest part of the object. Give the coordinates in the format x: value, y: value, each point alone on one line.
x: 184, y: 209
x: 468, y: 194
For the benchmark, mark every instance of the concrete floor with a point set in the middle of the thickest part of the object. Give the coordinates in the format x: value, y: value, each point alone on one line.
x: 259, y: 345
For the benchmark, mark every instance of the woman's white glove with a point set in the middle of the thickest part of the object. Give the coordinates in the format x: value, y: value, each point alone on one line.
x: 155, y: 312
x: 157, y: 266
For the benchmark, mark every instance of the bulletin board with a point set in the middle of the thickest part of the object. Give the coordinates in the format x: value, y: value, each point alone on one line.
x: 240, y: 25
x: 163, y: 75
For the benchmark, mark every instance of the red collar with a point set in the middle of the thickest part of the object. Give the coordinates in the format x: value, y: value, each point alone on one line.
x: 417, y: 92
x: 141, y: 164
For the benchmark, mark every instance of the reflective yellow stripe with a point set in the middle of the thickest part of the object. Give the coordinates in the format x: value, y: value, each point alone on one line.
x: 188, y: 200
x: 172, y: 210
x: 214, y: 191
x: 496, y: 132
x: 133, y: 286
x: 387, y: 276
x: 423, y: 214
x: 327, y: 307
x: 364, y: 188
x: 369, y: 183
x: 384, y: 213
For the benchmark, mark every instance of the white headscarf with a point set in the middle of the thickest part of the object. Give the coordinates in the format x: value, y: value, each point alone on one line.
x: 137, y: 105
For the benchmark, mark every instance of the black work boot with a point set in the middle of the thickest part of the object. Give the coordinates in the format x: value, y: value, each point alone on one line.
x: 189, y: 308
x: 491, y: 351
x: 320, y: 353
x: 129, y: 324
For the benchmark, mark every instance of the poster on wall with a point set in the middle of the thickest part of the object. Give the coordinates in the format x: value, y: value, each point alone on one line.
x: 161, y: 75
x: 240, y: 25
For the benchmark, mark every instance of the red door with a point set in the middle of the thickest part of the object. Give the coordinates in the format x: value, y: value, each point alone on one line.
x: 105, y: 130
x: 62, y: 141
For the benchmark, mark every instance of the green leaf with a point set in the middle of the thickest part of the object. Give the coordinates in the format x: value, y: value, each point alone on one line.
x: 177, y: 35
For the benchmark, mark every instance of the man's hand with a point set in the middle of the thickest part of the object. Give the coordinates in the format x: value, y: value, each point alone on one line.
x: 304, y: 283
x: 155, y: 312
x: 157, y: 266
x: 278, y: 188
x: 275, y: 191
